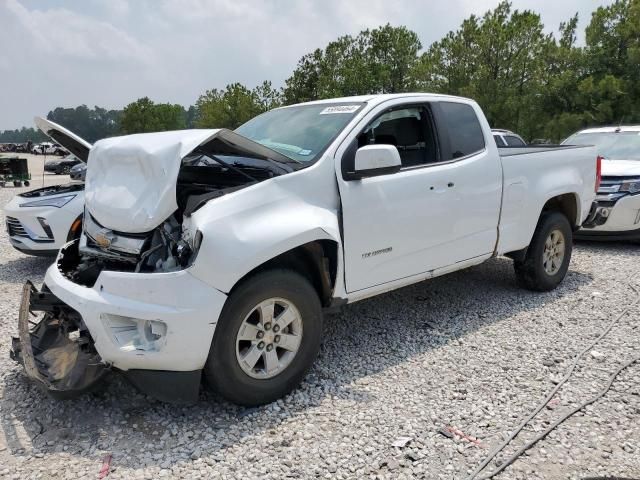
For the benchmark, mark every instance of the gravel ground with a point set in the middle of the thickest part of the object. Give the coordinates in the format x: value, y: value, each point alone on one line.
x: 442, y: 369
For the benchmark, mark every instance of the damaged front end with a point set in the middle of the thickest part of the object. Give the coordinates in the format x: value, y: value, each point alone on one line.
x: 55, y: 346
x: 130, y: 304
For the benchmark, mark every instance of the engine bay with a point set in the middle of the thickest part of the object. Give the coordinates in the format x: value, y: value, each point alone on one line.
x: 202, y: 178
x: 53, y: 190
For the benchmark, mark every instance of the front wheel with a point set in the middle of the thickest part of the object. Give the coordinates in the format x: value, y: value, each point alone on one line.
x: 547, y: 259
x: 267, y: 338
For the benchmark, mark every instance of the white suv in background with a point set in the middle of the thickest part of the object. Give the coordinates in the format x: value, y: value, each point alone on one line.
x: 506, y: 138
x: 40, y: 221
x: 617, y: 208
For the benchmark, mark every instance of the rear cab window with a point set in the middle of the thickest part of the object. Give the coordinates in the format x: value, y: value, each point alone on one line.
x: 465, y: 133
x: 499, y: 141
x: 514, y: 141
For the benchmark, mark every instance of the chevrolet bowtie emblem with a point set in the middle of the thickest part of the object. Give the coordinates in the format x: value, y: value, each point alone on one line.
x: 103, y: 239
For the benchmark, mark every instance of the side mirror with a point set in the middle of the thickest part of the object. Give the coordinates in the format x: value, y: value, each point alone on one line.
x: 374, y: 160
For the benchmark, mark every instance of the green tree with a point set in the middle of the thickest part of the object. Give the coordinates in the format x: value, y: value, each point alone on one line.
x: 144, y: 115
x: 89, y: 123
x: 22, y: 135
x: 233, y: 106
x: 375, y: 61
x: 190, y: 117
x: 267, y: 97
x: 498, y: 59
x: 613, y: 61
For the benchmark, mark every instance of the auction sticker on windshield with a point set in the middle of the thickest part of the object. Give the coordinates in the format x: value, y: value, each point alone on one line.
x: 340, y: 109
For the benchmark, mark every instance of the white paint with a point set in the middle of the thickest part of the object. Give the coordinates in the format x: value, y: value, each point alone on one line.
x: 131, y: 184
x: 371, y: 157
x: 416, y: 231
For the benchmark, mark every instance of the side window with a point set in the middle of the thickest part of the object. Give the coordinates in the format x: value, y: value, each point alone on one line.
x: 465, y: 133
x: 499, y: 141
x: 514, y: 141
x: 409, y: 130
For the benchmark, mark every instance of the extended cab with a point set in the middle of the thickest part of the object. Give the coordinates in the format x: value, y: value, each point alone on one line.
x: 213, y: 253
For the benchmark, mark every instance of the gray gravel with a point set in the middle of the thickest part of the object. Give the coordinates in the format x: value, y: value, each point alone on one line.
x: 442, y: 369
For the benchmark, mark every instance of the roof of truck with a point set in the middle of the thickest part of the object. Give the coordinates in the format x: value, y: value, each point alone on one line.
x: 613, y: 128
x: 379, y: 98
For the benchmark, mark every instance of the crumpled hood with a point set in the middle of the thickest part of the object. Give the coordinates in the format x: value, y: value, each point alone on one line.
x: 620, y: 168
x: 131, y: 180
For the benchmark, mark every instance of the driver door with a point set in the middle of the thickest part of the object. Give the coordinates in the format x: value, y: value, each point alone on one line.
x: 398, y: 225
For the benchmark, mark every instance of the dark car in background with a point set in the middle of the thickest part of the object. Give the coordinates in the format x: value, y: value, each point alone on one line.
x: 78, y: 172
x: 62, y: 166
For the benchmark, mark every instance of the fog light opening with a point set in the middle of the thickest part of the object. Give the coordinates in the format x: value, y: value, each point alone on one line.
x: 131, y: 334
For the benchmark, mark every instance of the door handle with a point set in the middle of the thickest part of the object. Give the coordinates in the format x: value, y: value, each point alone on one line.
x: 450, y: 184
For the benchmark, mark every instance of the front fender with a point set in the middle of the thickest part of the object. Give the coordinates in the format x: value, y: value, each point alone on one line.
x: 240, y: 233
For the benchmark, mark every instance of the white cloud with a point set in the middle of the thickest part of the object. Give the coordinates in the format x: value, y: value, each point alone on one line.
x: 64, y: 33
x: 110, y: 52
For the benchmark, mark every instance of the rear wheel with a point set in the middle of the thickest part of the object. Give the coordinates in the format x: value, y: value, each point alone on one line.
x: 267, y: 338
x: 547, y: 259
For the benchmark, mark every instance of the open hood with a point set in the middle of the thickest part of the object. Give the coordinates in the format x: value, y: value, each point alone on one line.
x: 69, y: 140
x: 131, y: 180
x: 620, y: 168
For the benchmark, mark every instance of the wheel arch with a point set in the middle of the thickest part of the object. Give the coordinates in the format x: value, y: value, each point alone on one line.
x: 567, y: 204
x: 316, y: 260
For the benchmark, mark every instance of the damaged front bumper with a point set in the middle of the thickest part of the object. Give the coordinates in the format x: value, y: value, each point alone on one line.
x: 57, y: 351
x: 156, y: 328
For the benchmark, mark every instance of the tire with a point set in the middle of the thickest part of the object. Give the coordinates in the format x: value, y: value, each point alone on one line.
x: 27, y: 183
x: 223, y: 371
x: 531, y: 272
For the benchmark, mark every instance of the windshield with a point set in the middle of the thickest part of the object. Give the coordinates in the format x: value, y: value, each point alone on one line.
x: 301, y: 133
x: 613, y: 145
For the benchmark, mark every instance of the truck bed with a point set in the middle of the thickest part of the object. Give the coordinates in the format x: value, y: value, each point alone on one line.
x: 532, y: 175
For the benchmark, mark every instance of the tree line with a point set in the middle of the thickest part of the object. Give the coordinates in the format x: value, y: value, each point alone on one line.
x: 541, y: 85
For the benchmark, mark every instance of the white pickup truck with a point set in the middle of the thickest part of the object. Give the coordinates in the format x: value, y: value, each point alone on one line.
x: 212, y: 253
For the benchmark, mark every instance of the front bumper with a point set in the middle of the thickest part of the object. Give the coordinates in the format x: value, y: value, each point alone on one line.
x: 179, y: 309
x: 621, y: 222
x: 157, y: 328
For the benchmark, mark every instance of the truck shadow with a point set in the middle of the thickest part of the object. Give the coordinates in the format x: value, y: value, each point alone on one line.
x: 364, y: 339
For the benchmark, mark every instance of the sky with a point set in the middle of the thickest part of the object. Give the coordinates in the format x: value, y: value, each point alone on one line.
x: 112, y: 52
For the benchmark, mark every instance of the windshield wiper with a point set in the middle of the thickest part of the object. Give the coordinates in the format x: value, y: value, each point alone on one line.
x: 227, y: 165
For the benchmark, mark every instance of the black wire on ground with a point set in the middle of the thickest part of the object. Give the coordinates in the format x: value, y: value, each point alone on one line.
x: 548, y: 430
x: 548, y: 398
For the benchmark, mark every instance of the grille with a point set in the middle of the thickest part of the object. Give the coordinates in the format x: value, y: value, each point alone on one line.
x: 15, y: 228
